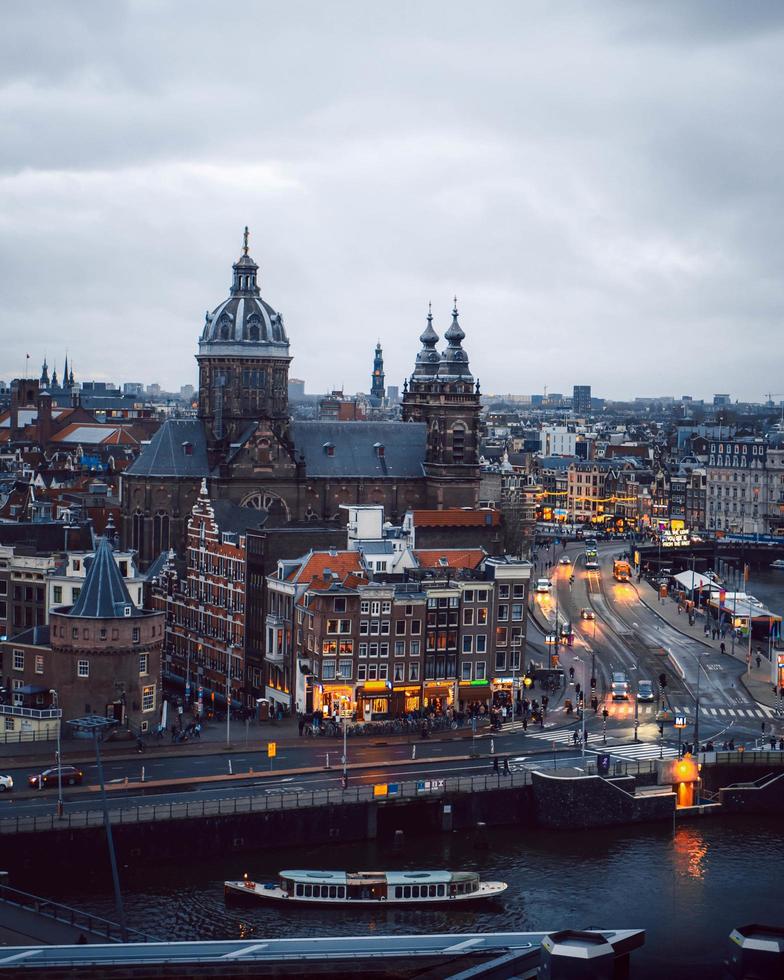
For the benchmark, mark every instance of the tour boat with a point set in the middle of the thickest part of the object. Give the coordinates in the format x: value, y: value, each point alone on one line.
x: 368, y: 888
x: 778, y: 563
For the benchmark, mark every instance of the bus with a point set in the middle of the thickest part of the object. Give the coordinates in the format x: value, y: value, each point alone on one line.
x: 622, y: 570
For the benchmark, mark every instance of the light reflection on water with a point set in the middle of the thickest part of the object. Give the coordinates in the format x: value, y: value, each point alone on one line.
x: 687, y: 888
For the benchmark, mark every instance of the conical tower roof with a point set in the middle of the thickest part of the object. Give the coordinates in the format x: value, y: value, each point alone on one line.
x: 427, y: 359
x: 454, y: 360
x: 104, y: 594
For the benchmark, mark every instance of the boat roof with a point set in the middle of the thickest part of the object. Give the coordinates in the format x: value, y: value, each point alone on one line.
x: 391, y: 877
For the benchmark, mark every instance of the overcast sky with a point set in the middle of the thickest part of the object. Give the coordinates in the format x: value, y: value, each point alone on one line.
x: 599, y: 183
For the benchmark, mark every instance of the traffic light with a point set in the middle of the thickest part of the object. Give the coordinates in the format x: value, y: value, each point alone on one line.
x: 763, y: 728
x: 605, y: 712
x: 663, y: 679
x: 593, y: 683
x: 661, y: 729
x: 577, y: 687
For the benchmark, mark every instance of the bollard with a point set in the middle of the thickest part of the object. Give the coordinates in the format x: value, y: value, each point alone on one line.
x: 756, y: 951
x: 142, y: 773
x: 481, y: 840
x: 326, y: 764
x: 398, y: 841
x: 231, y: 773
x: 573, y: 955
x: 446, y: 817
x: 492, y: 746
x: 413, y: 751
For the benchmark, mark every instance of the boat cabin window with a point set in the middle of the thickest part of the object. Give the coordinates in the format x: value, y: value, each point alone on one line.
x: 308, y: 891
x: 432, y: 891
x: 441, y: 890
x: 299, y: 890
x: 333, y: 891
x: 407, y: 891
x: 341, y: 891
x: 398, y: 891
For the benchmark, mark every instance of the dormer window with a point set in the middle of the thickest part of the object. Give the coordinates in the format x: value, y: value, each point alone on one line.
x: 187, y: 449
x: 329, y: 448
x: 379, y: 449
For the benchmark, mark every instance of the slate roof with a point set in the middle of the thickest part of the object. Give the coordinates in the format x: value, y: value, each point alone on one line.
x: 356, y: 448
x: 165, y: 454
x: 232, y: 517
x: 104, y: 594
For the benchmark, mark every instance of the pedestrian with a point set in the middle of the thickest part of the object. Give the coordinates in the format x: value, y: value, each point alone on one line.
x: 525, y: 723
x: 506, y: 767
x: 781, y: 745
x: 586, y: 738
x: 495, y: 763
x: 575, y: 736
x: 197, y: 729
x: 722, y: 647
x: 301, y: 723
x: 759, y: 661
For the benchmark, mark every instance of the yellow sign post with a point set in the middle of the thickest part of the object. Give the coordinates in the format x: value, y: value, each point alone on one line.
x: 272, y: 751
x: 380, y: 789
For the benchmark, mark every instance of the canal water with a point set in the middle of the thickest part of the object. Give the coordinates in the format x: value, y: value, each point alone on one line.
x: 687, y: 886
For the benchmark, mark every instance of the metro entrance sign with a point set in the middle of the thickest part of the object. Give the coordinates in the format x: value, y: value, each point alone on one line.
x: 680, y: 721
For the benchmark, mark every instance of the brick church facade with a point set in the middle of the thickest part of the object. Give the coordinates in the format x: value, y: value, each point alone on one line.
x: 244, y: 444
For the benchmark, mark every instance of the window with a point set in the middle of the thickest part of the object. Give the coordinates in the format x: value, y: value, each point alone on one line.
x: 375, y: 627
x: 503, y: 612
x: 328, y: 670
x: 363, y: 625
x: 503, y: 591
x: 340, y: 605
x: 329, y: 648
x: 413, y: 671
x: 375, y: 609
x: 373, y: 651
x: 345, y: 669
x: 400, y: 627
x: 135, y: 635
x: 400, y: 648
x: 468, y: 617
x: 415, y: 648
x: 9, y: 724
x: 468, y: 643
x: 364, y: 608
x: 333, y: 626
x: 143, y: 663
x: 39, y: 664
x: 501, y: 636
x: 384, y: 650
x: 83, y: 668
x: 362, y: 672
x: 363, y: 649
x: 517, y: 612
x: 465, y: 671
x: 409, y: 610
x: 518, y: 592
x: 481, y: 616
x: 57, y: 594
x: 385, y: 627
x: 383, y: 672
x: 399, y: 673
x: 386, y: 607
x: 481, y: 643
x: 480, y: 671
x: 148, y: 698
x: 481, y: 595
x: 18, y: 659
x: 416, y: 627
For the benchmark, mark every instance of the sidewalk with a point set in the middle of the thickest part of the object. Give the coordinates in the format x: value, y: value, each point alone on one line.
x: 212, y: 742
x: 756, y: 680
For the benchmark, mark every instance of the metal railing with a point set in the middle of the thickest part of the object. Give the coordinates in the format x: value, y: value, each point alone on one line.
x: 21, y: 738
x: 199, y: 809
x: 17, y: 711
x: 84, y: 921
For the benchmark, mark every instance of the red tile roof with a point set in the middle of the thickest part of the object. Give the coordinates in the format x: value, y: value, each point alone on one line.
x: 452, y: 557
x: 457, y: 517
x: 341, y: 563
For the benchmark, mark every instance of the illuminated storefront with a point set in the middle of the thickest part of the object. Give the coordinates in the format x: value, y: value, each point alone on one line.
x: 405, y: 698
x: 469, y: 693
x: 438, y: 697
x: 374, y: 700
x: 338, y: 700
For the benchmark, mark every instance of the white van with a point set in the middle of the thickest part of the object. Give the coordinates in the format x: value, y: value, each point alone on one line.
x: 543, y: 585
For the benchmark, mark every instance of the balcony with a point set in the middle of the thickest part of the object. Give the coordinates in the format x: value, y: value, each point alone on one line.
x: 37, y: 714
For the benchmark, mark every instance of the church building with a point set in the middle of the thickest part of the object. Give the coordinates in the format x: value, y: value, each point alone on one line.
x: 250, y: 452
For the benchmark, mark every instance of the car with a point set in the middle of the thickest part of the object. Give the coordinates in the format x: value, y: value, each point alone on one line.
x: 6, y: 784
x: 587, y: 613
x: 70, y: 776
x: 665, y: 715
x: 543, y: 585
x: 619, y: 687
x: 565, y: 560
x: 645, y: 691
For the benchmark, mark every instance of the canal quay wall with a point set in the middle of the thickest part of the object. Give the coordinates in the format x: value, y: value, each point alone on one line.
x: 568, y: 800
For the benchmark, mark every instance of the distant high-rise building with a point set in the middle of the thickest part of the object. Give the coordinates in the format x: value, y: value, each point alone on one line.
x: 721, y: 400
x: 154, y: 389
x: 393, y: 393
x: 377, y: 390
x: 186, y: 392
x: 581, y: 400
x: 133, y: 388
x: 296, y: 389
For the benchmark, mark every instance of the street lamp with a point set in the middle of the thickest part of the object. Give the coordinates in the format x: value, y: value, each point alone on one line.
x: 582, y: 710
x: 56, y: 697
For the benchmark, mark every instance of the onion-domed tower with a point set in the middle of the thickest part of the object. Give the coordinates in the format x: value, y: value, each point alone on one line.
x: 243, y: 360
x: 441, y: 392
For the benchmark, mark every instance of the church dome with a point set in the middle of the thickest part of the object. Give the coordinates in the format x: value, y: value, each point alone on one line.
x: 244, y: 325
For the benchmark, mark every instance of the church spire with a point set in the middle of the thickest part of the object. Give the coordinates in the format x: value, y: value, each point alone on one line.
x: 44, y: 382
x: 427, y: 358
x: 454, y: 360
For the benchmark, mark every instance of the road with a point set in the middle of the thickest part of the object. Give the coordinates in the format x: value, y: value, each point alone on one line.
x: 625, y: 636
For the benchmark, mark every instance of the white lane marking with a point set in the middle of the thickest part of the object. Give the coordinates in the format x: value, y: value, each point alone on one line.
x: 21, y: 956
x: 466, y: 944
x: 245, y: 951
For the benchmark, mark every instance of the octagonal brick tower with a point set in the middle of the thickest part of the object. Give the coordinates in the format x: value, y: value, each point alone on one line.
x: 243, y: 360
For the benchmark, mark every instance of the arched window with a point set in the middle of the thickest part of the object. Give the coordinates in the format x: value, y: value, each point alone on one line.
x: 253, y: 328
x: 224, y: 328
x: 160, y: 533
x: 458, y: 443
x: 137, y: 531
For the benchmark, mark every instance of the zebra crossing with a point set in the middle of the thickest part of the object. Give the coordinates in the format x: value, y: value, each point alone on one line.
x: 634, y: 750
x: 618, y: 711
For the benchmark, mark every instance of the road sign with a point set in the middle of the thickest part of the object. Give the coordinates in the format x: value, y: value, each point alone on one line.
x: 272, y: 750
x: 680, y: 721
x: 380, y: 789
